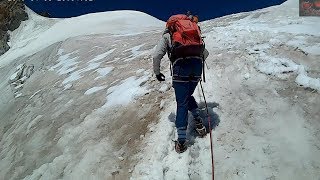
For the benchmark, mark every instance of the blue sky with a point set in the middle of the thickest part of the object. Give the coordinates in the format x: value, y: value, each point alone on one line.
x: 206, y: 9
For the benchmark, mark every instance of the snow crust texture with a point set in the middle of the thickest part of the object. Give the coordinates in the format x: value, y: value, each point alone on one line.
x: 81, y: 113
x: 90, y: 108
x: 263, y: 86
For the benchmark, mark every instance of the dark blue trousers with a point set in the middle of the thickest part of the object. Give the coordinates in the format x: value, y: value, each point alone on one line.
x: 186, y: 75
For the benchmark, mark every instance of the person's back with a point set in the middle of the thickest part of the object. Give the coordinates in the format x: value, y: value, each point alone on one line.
x: 187, y: 61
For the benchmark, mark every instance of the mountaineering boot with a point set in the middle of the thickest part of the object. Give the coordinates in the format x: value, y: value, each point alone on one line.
x: 180, y: 146
x: 200, y: 128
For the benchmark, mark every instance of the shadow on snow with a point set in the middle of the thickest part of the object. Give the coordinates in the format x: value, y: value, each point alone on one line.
x: 214, y: 120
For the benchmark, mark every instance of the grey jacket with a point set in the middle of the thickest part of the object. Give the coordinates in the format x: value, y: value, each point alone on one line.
x: 162, y: 48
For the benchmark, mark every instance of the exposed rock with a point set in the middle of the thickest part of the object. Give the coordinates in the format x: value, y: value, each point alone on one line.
x: 4, y: 37
x: 11, y: 15
x: 45, y: 14
x: 18, y: 79
x: 18, y: 14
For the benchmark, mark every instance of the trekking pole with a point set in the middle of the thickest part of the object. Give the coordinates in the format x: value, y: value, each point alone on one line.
x: 211, y: 146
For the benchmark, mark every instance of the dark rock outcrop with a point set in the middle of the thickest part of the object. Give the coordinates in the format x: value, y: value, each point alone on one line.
x: 4, y: 47
x: 11, y: 15
x: 45, y: 14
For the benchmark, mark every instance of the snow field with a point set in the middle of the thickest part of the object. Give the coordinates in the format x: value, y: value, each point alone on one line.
x: 74, y: 121
x: 262, y: 135
x: 124, y: 23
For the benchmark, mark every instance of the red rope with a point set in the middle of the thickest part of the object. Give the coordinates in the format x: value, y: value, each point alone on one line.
x: 209, y: 120
x: 211, y: 146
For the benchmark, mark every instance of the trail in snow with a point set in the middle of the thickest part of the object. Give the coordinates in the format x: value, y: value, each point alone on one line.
x: 267, y: 130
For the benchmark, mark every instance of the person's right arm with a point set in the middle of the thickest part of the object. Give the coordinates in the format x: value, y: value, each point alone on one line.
x: 159, y: 52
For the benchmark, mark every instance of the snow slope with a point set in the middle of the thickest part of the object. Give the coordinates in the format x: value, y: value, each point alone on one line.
x: 64, y: 119
x: 38, y: 32
x: 86, y: 105
x: 268, y: 126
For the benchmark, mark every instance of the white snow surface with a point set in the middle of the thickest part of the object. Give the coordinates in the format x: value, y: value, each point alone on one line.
x: 66, y: 64
x: 136, y: 52
x: 38, y: 33
x: 76, y: 125
x: 124, y: 93
x: 94, y: 89
x: 104, y: 71
x: 304, y: 80
x: 250, y: 143
x: 102, y: 56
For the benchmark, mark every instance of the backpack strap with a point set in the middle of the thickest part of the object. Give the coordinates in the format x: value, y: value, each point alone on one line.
x: 169, y: 49
x: 167, y: 31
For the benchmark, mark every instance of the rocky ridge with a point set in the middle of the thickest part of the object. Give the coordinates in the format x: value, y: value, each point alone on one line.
x: 11, y: 15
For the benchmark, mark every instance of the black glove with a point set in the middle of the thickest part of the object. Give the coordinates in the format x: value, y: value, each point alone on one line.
x: 161, y: 77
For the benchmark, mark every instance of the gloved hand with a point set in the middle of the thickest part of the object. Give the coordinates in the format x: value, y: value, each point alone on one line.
x: 161, y: 77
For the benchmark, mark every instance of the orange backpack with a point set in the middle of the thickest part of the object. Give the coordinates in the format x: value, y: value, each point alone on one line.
x: 185, y: 37
x: 317, y: 4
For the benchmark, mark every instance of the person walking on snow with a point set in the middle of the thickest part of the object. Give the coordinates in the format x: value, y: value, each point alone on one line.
x: 186, y: 73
